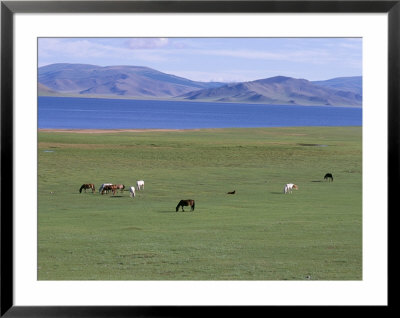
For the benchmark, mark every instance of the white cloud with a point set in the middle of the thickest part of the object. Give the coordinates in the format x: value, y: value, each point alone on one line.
x: 85, y: 50
x: 313, y: 56
x: 147, y: 43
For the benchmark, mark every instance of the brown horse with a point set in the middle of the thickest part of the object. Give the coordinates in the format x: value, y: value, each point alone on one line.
x: 329, y: 177
x: 183, y: 203
x: 107, y: 188
x: 87, y: 186
x: 120, y: 187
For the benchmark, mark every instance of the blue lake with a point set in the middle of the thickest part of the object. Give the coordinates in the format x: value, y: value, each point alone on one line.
x: 98, y: 113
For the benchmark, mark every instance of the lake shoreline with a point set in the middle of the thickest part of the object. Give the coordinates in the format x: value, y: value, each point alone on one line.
x: 146, y: 130
x: 178, y: 100
x: 105, y: 131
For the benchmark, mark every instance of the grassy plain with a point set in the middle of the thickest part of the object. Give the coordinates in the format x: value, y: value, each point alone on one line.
x: 257, y: 234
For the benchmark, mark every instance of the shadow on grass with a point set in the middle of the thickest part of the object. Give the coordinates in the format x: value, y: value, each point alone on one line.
x: 174, y: 212
x: 276, y: 192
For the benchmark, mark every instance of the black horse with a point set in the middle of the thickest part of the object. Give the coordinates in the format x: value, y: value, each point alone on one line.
x: 328, y: 176
x: 183, y: 203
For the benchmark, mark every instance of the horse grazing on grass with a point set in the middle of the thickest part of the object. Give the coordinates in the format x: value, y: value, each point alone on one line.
x: 103, y: 185
x: 108, y: 188
x: 183, y: 203
x: 140, y: 184
x: 231, y: 192
x: 87, y: 186
x: 289, y: 187
x: 120, y: 187
x: 329, y: 177
x: 132, y: 192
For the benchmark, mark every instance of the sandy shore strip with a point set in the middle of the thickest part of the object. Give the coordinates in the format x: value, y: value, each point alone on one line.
x: 106, y: 131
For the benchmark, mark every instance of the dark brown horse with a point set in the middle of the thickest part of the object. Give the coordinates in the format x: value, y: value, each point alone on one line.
x: 107, y: 188
x: 328, y: 176
x: 183, y: 203
x: 87, y: 186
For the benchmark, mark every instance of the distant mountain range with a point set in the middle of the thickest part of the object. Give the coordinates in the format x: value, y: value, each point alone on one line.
x: 280, y: 90
x: 134, y: 81
x: 143, y: 82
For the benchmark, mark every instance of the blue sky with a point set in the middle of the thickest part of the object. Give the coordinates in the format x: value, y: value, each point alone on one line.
x: 214, y: 59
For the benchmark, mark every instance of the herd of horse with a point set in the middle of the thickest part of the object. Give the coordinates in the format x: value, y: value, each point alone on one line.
x: 109, y: 187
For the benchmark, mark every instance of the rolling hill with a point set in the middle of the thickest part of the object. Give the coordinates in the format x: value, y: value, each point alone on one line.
x: 65, y: 79
x: 129, y: 81
x: 278, y: 90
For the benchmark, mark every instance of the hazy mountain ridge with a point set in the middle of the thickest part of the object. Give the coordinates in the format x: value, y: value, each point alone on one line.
x: 350, y: 84
x: 278, y: 90
x: 143, y: 82
x: 134, y: 81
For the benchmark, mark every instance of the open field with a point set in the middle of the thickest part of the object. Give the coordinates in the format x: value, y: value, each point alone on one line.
x: 256, y: 234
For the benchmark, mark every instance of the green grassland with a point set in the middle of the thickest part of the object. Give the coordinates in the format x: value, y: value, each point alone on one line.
x: 259, y: 233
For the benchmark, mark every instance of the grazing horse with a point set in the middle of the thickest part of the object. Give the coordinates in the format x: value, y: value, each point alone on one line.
x: 103, y: 185
x: 183, y: 203
x: 87, y: 186
x: 140, y: 184
x: 288, y: 188
x: 329, y: 177
x: 231, y: 192
x: 107, y: 188
x: 132, y: 192
x: 120, y: 187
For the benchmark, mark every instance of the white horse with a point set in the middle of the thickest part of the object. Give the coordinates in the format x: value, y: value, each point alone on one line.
x: 289, y: 187
x: 103, y: 185
x: 132, y: 192
x: 140, y: 184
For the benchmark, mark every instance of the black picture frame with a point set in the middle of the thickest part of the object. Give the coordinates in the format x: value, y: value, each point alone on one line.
x: 9, y: 8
